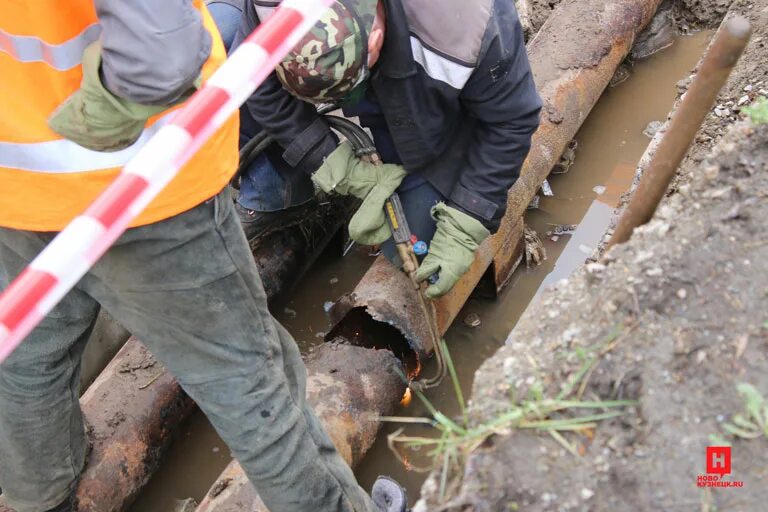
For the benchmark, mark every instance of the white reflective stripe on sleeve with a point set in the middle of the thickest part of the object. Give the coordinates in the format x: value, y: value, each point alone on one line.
x: 62, y: 56
x: 438, y: 67
x: 64, y: 156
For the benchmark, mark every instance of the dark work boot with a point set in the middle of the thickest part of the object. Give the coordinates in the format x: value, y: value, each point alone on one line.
x: 389, y: 496
x: 258, y: 225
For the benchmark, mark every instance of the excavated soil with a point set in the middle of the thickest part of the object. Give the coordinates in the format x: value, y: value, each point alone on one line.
x: 675, y: 319
x: 748, y: 81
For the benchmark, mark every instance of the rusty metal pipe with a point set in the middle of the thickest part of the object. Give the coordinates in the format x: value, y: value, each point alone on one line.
x: 729, y: 43
x: 349, y: 388
x: 573, y: 57
x: 131, y: 410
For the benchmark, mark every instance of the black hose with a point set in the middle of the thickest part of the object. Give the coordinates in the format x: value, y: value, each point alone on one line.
x: 357, y: 136
x: 253, y: 148
x: 360, y: 140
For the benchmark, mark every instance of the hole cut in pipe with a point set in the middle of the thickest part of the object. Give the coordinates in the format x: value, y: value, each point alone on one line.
x: 359, y: 328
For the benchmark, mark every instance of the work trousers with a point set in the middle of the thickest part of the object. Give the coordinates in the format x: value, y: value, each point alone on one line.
x: 189, y: 289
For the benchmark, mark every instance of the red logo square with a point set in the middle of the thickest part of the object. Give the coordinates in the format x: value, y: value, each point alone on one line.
x: 719, y: 460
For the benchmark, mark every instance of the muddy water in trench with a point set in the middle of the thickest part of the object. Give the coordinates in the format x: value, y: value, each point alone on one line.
x: 610, y: 144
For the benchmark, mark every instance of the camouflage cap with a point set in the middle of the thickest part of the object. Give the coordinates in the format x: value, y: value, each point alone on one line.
x: 332, y: 58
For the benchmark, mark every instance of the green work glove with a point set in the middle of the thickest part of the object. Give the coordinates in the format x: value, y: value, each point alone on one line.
x: 344, y: 173
x: 95, y: 118
x: 452, y: 249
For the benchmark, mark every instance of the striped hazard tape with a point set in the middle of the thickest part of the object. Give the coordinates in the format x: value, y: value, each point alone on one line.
x: 73, y: 252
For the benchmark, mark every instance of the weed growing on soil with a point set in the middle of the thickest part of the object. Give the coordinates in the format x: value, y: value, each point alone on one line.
x: 457, y: 438
x: 753, y: 423
x: 758, y: 111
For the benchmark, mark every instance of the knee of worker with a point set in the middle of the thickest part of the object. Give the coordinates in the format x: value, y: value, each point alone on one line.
x: 295, y: 371
x: 38, y: 383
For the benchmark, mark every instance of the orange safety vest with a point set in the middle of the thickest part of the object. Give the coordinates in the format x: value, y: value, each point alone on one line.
x: 45, y: 181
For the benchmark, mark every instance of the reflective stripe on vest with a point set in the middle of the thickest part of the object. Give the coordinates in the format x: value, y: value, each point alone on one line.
x: 59, y: 56
x: 63, y: 156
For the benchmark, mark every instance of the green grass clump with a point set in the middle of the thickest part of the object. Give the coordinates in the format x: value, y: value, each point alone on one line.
x: 753, y: 422
x: 758, y: 111
x: 456, y: 438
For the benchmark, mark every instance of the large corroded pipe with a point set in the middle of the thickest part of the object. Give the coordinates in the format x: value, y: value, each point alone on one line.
x: 348, y: 387
x: 134, y: 406
x: 131, y: 411
x: 573, y: 57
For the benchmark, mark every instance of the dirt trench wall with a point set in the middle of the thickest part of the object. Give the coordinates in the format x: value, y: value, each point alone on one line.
x: 748, y: 81
x: 678, y: 319
x: 701, y: 13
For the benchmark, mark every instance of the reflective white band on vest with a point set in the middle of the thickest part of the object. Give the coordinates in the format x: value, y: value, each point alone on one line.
x: 64, y: 156
x: 439, y: 67
x: 62, y: 56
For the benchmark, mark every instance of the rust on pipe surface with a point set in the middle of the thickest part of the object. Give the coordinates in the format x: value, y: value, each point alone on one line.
x: 134, y: 406
x: 127, y: 436
x: 381, y: 282
x: 284, y: 257
x: 729, y: 43
x: 349, y: 388
x: 573, y: 57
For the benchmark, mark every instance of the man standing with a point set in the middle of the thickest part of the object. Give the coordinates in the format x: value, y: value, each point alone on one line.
x: 84, y: 84
x: 447, y: 92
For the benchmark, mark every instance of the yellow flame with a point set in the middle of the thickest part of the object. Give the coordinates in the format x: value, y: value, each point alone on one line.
x: 406, y: 400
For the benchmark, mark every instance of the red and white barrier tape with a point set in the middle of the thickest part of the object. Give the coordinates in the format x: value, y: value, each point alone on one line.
x: 73, y: 252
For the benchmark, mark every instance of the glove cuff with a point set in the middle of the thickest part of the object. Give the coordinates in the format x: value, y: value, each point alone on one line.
x: 92, y: 82
x: 334, y: 169
x: 441, y: 212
